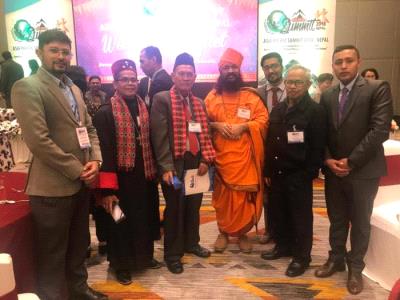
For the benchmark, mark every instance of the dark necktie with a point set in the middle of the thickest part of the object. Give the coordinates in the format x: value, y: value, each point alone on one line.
x: 274, y: 96
x: 193, y: 142
x: 342, y: 102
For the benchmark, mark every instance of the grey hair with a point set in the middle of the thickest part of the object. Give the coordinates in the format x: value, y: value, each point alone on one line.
x: 299, y: 67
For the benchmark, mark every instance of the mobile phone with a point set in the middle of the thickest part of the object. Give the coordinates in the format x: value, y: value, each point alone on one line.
x: 176, y: 183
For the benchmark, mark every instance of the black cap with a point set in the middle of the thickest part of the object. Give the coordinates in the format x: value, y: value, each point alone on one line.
x: 184, y: 59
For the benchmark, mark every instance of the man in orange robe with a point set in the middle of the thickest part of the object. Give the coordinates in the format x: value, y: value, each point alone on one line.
x: 238, y: 119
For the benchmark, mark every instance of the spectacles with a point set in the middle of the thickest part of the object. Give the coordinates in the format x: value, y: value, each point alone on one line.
x: 127, y: 80
x: 64, y: 52
x: 188, y: 75
x: 295, y: 82
x: 271, y: 67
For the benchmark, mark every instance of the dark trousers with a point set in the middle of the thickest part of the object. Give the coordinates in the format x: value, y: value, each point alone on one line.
x: 61, y: 235
x: 349, y: 201
x: 181, y: 217
x: 291, y: 197
x: 100, y: 217
x: 269, y: 213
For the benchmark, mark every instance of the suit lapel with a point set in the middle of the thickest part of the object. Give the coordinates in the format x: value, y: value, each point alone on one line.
x: 58, y: 95
x: 335, y: 105
x: 79, y: 101
x: 353, y: 96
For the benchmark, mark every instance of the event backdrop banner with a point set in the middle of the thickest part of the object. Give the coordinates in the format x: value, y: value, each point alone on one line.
x: 26, y: 19
x: 302, y: 32
x: 108, y: 30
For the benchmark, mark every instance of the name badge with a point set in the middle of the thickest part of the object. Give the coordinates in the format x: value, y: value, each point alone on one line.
x: 295, y: 137
x: 194, y: 127
x: 243, y: 113
x: 138, y: 121
x: 83, y: 137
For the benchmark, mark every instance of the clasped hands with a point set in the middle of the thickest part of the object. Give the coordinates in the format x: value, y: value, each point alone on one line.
x: 89, y: 173
x: 339, y: 167
x: 230, y: 131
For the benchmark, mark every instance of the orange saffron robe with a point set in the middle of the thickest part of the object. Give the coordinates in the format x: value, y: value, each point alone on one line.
x: 238, y: 184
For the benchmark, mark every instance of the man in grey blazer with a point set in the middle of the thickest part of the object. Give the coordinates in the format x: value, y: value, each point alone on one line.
x: 66, y: 156
x: 181, y: 141
x: 359, y: 114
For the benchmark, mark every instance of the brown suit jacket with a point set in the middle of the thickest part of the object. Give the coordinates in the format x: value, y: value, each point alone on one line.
x: 364, y: 126
x: 49, y: 130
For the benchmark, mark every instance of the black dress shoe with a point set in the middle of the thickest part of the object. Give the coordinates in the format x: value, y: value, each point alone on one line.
x: 154, y: 264
x: 175, y: 267
x: 88, y: 294
x: 275, y: 254
x: 355, y: 283
x: 329, y: 268
x: 123, y: 277
x: 296, y: 268
x: 199, y: 251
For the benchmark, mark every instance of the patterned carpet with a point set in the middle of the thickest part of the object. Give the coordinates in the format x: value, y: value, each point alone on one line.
x: 233, y: 275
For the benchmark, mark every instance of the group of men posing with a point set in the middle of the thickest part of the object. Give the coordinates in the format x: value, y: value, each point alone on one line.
x: 153, y: 131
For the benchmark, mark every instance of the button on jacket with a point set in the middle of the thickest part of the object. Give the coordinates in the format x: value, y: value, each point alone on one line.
x: 282, y: 157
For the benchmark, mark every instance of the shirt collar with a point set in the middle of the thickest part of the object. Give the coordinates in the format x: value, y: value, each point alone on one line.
x: 281, y: 86
x: 155, y: 73
x: 350, y: 85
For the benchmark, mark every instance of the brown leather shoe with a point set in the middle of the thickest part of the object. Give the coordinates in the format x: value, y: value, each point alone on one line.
x: 329, y: 268
x: 221, y: 243
x: 244, y: 244
x: 355, y: 283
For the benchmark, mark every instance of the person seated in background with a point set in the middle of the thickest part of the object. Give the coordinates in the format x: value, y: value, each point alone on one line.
x: 94, y: 97
x: 324, y: 82
x: 33, y: 65
x: 78, y: 77
x: 370, y: 73
x: 11, y: 71
x: 127, y: 176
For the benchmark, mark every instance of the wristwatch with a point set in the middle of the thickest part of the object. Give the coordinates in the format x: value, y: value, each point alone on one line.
x: 99, y: 163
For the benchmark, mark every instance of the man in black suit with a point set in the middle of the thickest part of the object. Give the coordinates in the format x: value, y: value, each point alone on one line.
x: 157, y: 79
x: 359, y: 114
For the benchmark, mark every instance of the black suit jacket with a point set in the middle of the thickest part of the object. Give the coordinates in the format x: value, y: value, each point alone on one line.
x: 282, y: 157
x: 364, y: 126
x: 161, y: 82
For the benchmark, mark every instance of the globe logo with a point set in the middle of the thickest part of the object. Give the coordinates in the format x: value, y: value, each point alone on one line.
x: 23, y: 31
x: 277, y: 22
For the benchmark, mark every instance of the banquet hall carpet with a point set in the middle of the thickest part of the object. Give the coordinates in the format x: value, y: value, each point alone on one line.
x: 233, y: 275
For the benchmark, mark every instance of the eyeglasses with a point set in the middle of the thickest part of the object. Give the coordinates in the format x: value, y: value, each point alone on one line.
x: 126, y: 80
x: 64, y: 52
x: 188, y: 75
x: 271, y: 67
x: 296, y: 83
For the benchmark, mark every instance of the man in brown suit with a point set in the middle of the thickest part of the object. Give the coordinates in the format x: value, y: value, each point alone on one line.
x: 66, y: 157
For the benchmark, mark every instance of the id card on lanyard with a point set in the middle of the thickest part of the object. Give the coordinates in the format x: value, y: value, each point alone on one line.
x: 295, y: 136
x: 83, y: 137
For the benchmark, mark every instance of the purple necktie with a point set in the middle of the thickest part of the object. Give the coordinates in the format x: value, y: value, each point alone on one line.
x: 342, y: 101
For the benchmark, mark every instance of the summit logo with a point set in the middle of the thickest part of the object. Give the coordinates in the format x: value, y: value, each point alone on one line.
x: 278, y: 22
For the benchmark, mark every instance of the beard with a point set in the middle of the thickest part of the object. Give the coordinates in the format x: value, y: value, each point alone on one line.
x: 229, y: 83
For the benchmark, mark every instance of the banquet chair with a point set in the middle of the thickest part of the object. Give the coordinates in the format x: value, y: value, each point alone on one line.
x: 7, y: 281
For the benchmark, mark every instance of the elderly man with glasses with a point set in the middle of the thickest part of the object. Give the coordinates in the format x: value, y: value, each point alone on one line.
x: 293, y: 156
